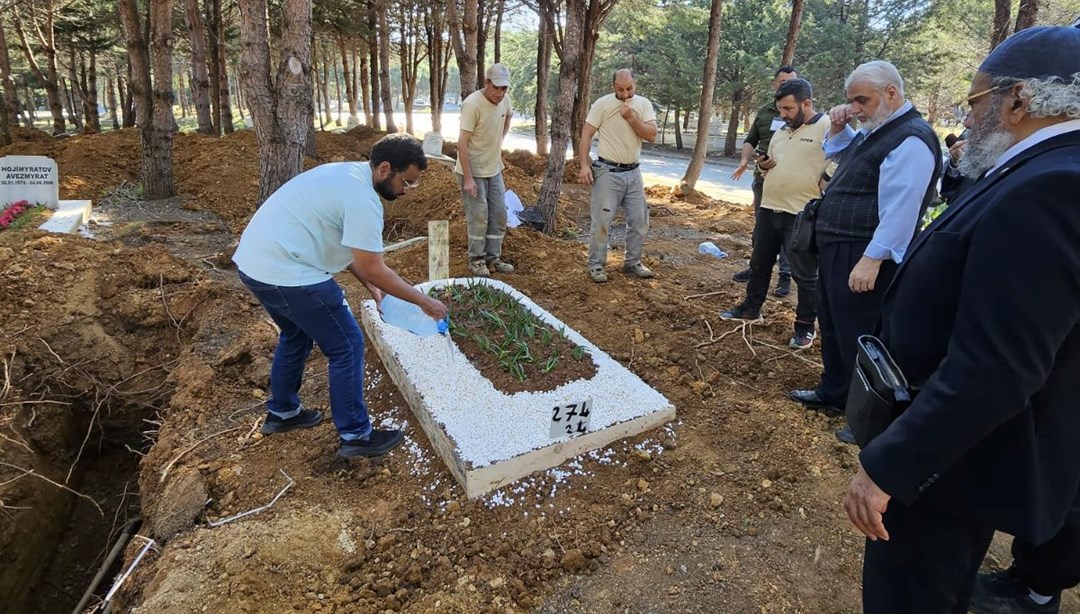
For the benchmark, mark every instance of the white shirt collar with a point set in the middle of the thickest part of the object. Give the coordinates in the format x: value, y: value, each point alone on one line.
x: 1034, y: 139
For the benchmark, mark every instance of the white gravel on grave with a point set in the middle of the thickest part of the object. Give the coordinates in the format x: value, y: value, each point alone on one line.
x: 489, y: 426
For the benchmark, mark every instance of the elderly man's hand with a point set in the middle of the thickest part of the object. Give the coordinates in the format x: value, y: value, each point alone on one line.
x: 626, y: 110
x: 956, y: 151
x: 865, y: 503
x: 739, y: 170
x: 840, y: 115
x: 864, y: 274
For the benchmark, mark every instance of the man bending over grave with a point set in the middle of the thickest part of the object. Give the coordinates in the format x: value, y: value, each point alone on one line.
x: 319, y: 223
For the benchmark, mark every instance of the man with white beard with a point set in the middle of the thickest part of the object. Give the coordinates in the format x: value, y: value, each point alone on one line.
x: 886, y: 177
x: 983, y: 318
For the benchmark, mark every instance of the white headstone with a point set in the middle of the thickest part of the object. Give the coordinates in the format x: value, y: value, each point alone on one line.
x: 433, y: 144
x: 31, y: 178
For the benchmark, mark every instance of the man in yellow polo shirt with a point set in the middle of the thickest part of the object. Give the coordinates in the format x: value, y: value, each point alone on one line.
x: 485, y: 120
x: 793, y: 170
x: 623, y: 120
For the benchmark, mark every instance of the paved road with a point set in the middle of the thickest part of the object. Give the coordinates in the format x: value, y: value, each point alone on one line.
x: 657, y: 168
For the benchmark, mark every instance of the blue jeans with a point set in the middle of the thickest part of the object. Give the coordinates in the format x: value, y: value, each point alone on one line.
x: 319, y: 314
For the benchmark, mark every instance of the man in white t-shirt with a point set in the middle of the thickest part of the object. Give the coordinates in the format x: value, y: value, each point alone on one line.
x: 319, y: 223
x: 793, y: 165
x: 485, y: 120
x: 623, y: 120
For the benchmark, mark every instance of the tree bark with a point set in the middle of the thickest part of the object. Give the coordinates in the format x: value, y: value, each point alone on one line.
x: 11, y: 90
x: 384, y: 65
x: 705, y: 106
x: 213, y: 18
x: 1000, y: 29
x: 560, y: 125
x: 733, y: 123
x: 788, y: 57
x: 438, y: 55
x: 324, y: 86
x: 371, y: 113
x: 678, y: 131
x: 68, y: 92
x: 350, y: 85
x: 1026, y: 14
x: 110, y: 101
x: 200, y: 77
x: 153, y: 100
x: 463, y: 35
x: 223, y: 73
x: 543, y: 74
x: 373, y: 60
x: 596, y: 13
x: 337, y: 94
x: 280, y: 99
x: 88, y: 85
x: 499, y: 10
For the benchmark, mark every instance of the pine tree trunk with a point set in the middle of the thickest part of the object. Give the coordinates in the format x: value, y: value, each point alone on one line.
x: 11, y: 91
x: 110, y: 101
x: 705, y: 106
x: 678, y: 131
x: 29, y: 106
x: 560, y: 124
x: 47, y: 76
x: 543, y: 73
x: 337, y: 95
x: 794, y: 25
x: 200, y: 77
x: 733, y: 123
x: 1026, y: 14
x: 213, y: 17
x: 279, y: 97
x: 373, y: 61
x: 371, y: 117
x: 350, y: 85
x: 223, y: 74
x: 1000, y: 29
x: 384, y: 66
x: 463, y: 36
x: 153, y: 101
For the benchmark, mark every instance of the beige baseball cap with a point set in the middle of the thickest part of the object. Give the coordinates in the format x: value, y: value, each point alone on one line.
x: 499, y: 75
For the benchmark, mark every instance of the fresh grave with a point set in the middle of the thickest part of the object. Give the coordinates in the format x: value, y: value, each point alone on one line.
x: 489, y: 437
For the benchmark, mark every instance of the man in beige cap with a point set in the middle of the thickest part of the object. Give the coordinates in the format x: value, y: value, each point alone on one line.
x: 623, y: 121
x: 485, y: 120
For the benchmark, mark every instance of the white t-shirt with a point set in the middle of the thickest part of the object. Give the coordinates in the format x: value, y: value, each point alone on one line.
x: 303, y: 233
x: 618, y: 141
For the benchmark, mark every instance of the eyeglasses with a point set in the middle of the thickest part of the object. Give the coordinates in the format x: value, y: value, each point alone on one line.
x: 970, y: 102
x: 409, y: 185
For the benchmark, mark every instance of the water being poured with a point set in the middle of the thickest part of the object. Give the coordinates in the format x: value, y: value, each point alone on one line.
x: 449, y: 353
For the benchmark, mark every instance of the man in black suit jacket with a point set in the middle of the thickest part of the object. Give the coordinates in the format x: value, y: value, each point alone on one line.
x: 983, y: 317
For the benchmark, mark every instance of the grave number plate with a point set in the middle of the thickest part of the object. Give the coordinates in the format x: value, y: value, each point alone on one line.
x: 570, y: 419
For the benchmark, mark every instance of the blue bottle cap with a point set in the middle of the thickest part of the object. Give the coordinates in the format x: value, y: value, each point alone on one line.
x: 443, y: 326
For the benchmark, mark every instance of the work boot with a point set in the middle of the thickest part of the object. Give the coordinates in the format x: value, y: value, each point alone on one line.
x: 598, y: 275
x: 478, y: 268
x: 499, y: 266
x: 638, y: 270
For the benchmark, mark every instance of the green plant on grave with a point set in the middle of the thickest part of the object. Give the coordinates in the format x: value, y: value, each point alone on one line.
x: 503, y: 328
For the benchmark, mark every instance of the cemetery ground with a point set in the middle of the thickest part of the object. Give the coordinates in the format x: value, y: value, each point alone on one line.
x: 133, y: 373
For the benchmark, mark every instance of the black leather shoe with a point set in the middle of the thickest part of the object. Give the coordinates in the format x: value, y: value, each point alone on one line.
x: 376, y: 444
x: 1001, y: 592
x: 742, y: 276
x: 812, y: 400
x: 845, y: 435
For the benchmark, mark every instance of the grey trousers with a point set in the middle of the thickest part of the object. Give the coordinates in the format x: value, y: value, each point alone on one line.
x: 610, y: 191
x: 485, y: 216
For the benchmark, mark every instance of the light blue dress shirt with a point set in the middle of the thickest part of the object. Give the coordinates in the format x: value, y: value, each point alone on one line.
x: 904, y: 175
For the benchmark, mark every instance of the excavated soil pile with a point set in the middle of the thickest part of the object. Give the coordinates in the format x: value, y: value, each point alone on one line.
x: 734, y: 508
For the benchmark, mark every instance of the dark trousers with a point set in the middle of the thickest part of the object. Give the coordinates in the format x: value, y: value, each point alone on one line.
x: 772, y: 235
x: 929, y: 564
x: 1054, y: 566
x: 758, y: 186
x: 843, y: 315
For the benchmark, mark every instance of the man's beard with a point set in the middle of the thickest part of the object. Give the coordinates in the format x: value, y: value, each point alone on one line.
x: 877, y: 118
x: 385, y: 189
x: 796, y: 121
x: 985, y: 144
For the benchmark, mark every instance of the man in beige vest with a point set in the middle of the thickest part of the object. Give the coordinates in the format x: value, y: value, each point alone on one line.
x: 623, y: 121
x: 485, y: 120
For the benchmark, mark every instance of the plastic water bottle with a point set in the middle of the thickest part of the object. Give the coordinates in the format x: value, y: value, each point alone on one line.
x: 710, y: 249
x: 404, y: 314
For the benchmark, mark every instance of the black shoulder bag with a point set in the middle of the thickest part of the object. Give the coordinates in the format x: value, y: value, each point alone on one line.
x: 879, y: 391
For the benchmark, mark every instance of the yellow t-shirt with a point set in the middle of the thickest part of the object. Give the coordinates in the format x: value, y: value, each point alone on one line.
x: 485, y: 121
x: 800, y: 160
x: 618, y: 141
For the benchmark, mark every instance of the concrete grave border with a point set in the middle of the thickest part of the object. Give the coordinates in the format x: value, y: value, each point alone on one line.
x: 489, y: 438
